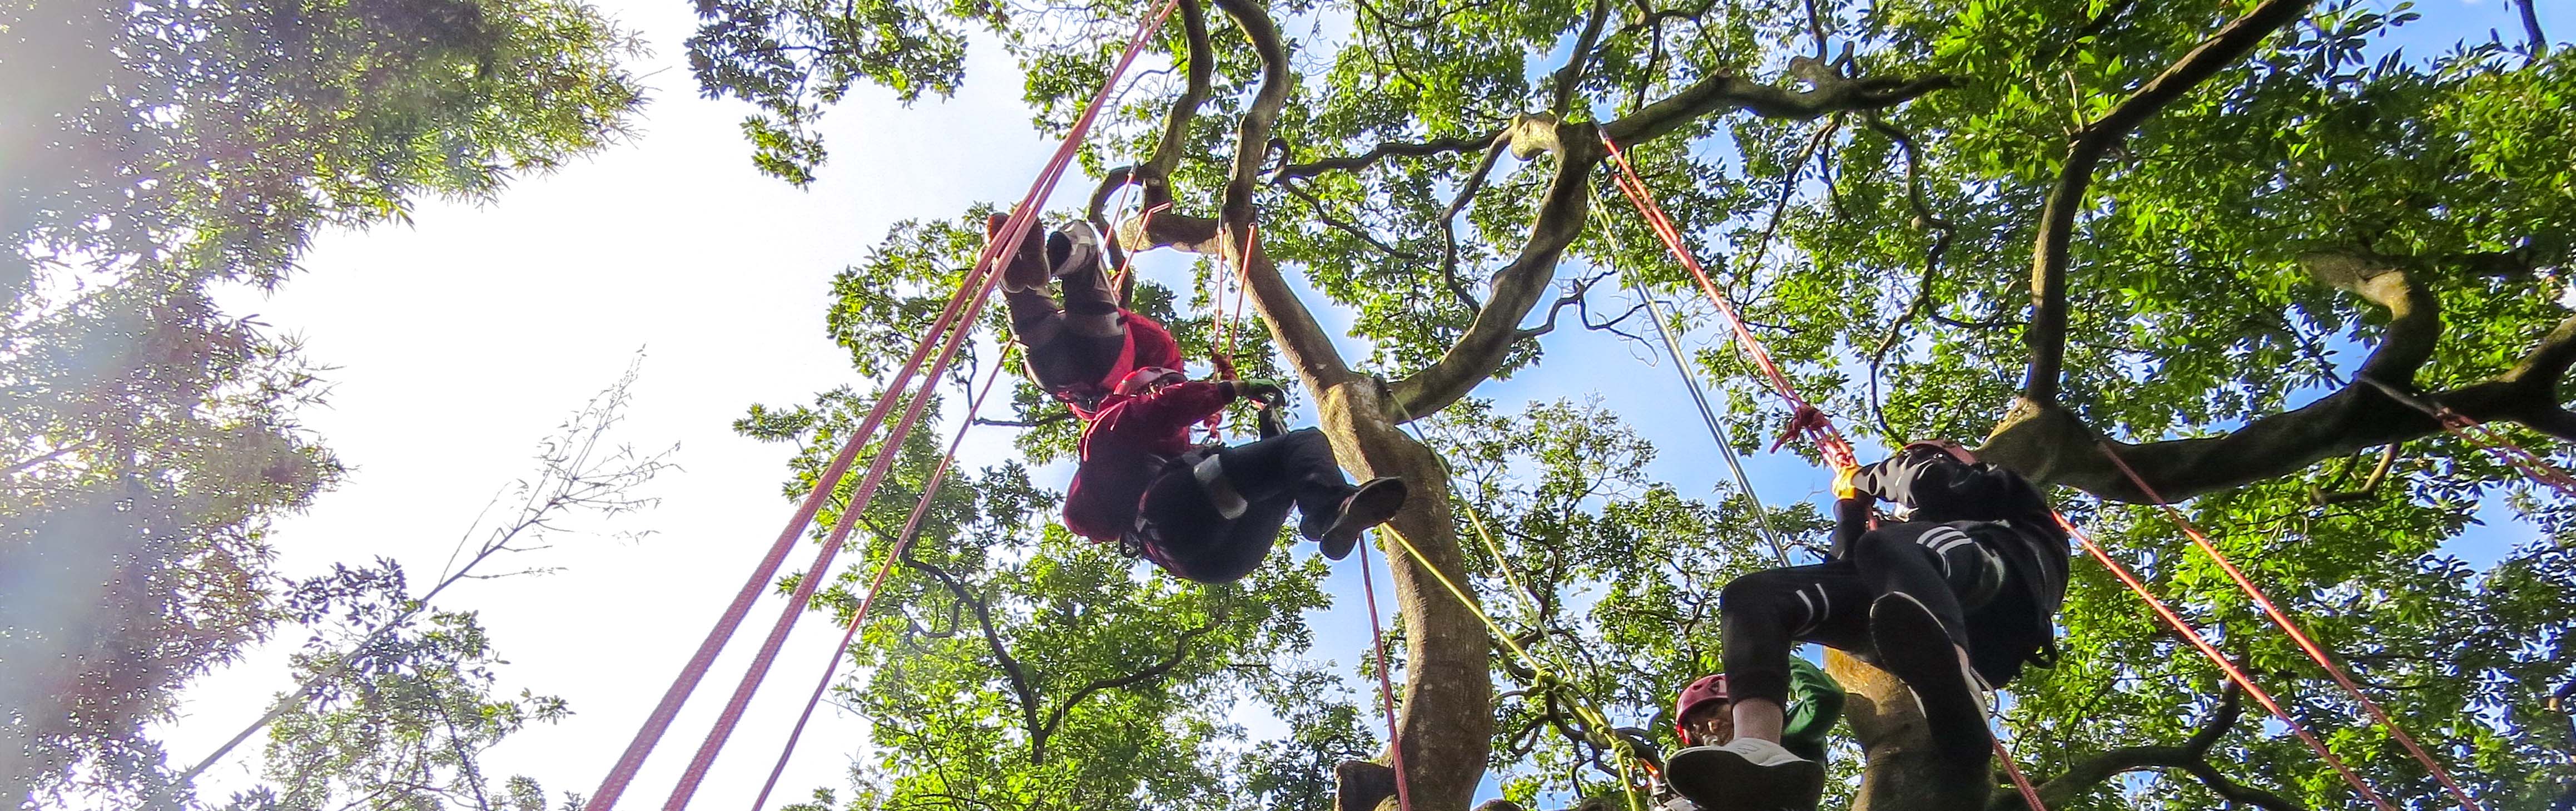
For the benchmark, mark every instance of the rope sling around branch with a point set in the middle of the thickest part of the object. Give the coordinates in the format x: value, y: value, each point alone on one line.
x: 989, y: 272
x: 2299, y: 635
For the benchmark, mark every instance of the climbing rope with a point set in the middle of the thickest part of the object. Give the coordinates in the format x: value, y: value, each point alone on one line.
x: 1385, y: 683
x: 1690, y: 383
x: 1805, y: 417
x: 2470, y: 430
x: 655, y: 724
x: 961, y: 312
x: 2029, y: 793
x: 902, y: 542
x: 2225, y: 665
x: 1543, y: 678
x: 2297, y: 634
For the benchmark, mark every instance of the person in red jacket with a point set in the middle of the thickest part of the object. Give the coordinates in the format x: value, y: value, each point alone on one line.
x: 1211, y: 513
x: 1079, y: 349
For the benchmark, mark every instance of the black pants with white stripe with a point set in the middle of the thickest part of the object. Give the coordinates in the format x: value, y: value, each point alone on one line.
x: 1765, y: 614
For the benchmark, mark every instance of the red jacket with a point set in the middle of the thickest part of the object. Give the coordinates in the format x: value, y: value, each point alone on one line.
x: 1127, y: 442
x: 1148, y: 344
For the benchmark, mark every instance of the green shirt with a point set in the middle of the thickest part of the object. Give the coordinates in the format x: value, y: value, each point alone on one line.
x: 1815, y: 703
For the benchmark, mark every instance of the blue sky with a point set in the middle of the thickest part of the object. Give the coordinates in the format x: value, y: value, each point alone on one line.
x: 464, y: 337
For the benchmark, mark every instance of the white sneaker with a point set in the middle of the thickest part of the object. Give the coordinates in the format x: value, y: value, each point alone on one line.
x: 1073, y: 248
x: 1746, y: 774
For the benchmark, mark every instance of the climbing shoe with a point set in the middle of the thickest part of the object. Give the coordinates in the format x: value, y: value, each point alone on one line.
x: 1073, y: 249
x: 1372, y: 504
x: 1026, y: 268
x: 1746, y: 774
x: 1913, y: 646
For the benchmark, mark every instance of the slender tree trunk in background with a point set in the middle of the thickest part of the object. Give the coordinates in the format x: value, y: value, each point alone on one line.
x: 1905, y: 772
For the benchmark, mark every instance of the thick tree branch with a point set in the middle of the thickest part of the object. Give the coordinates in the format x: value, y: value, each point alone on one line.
x: 2536, y: 41
x: 2050, y: 443
x: 1570, y: 77
x: 1831, y: 94
x: 2047, y: 334
x: 1518, y: 287
x: 2192, y: 756
x: 1156, y: 172
x: 1390, y: 149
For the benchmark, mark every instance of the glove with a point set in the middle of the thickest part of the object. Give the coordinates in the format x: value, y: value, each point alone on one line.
x: 1267, y: 392
x: 1843, y: 486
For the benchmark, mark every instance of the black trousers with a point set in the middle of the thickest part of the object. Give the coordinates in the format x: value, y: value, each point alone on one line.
x: 1952, y: 568
x: 1075, y: 343
x: 1188, y: 536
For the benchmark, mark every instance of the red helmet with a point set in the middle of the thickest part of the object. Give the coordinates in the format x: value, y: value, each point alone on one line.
x: 1146, y: 378
x: 1708, y: 690
x: 1954, y: 449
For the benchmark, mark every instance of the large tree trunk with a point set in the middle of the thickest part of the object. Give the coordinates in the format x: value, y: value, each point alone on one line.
x: 1905, y: 772
x: 1445, y: 721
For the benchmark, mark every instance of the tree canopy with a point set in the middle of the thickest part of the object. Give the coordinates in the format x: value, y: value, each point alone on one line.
x: 149, y: 152
x: 2202, y: 237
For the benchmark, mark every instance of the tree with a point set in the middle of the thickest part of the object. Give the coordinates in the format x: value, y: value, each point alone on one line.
x: 156, y: 150
x: 2218, y: 232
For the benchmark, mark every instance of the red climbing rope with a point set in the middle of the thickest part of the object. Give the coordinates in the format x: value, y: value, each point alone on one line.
x: 2225, y: 665
x: 1385, y: 682
x: 2029, y: 793
x: 632, y: 760
x: 902, y: 542
x: 803, y: 595
x: 987, y: 271
x: 2315, y: 652
x: 2470, y: 430
x: 1118, y: 281
x: 1804, y: 416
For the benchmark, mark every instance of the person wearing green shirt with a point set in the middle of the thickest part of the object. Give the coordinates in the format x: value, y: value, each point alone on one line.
x: 1705, y: 720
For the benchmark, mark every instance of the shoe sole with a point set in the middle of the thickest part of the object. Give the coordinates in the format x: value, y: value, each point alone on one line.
x: 1023, y: 269
x: 1372, y: 505
x: 1912, y: 645
x: 1720, y: 780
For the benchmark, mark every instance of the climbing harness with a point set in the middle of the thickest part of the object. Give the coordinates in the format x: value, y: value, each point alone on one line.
x: 961, y: 312
x: 1805, y: 417
x: 2291, y: 627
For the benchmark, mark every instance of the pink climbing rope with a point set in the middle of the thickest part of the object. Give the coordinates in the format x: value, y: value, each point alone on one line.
x: 2225, y: 665
x: 902, y: 542
x: 2315, y: 652
x: 987, y: 270
x: 2029, y: 793
x: 1805, y: 417
x: 1385, y: 683
x: 632, y: 760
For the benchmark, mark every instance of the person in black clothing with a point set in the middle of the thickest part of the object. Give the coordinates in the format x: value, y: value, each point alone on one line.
x: 1957, y: 594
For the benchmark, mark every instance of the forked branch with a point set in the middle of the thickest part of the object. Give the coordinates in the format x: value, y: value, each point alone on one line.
x: 2047, y: 335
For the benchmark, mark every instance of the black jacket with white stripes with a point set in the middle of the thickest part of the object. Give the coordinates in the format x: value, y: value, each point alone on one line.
x: 1998, y: 507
